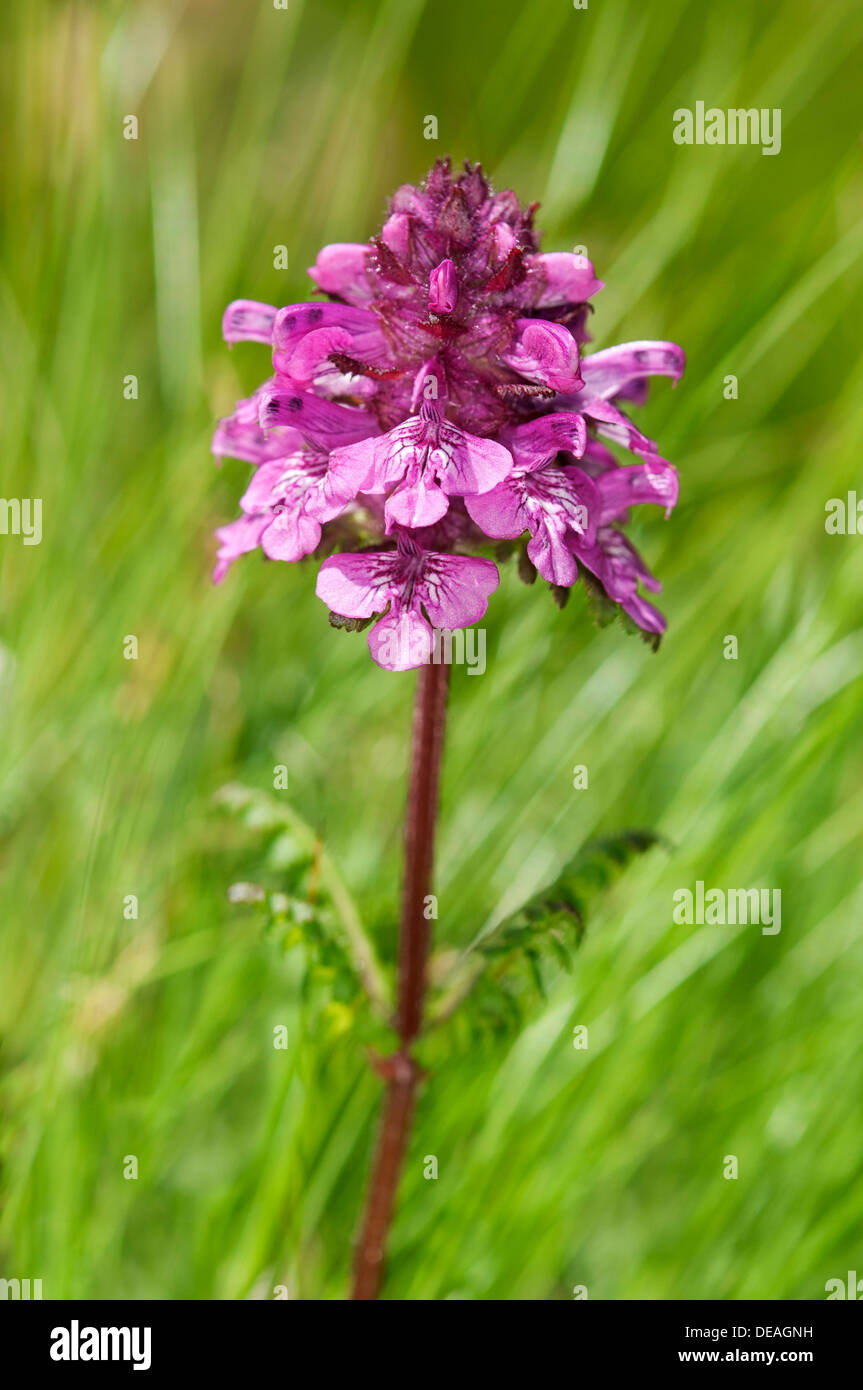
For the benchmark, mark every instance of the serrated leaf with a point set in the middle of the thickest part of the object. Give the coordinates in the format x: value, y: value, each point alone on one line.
x: 508, y: 960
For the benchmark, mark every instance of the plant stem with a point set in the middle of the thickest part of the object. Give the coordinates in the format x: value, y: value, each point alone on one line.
x: 401, y: 1072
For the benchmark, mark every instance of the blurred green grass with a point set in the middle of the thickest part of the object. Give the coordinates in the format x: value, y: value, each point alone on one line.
x: 258, y: 128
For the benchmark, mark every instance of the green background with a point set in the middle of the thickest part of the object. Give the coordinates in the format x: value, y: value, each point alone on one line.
x: 557, y: 1167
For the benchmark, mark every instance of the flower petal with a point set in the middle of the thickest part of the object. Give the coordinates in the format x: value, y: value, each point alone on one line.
x: 311, y: 355
x: 469, y: 463
x: 546, y: 353
x: 237, y: 538
x: 499, y: 513
x: 401, y: 641
x: 613, y: 370
x: 429, y: 454
x: 296, y: 320
x: 644, y: 614
x: 247, y: 320
x: 569, y: 278
x: 341, y: 269
x: 548, y: 552
x: 619, y: 568
x: 455, y: 589
x: 291, y: 534
x: 418, y: 501
x: 356, y: 586
x: 317, y: 420
x: 443, y: 288
x: 540, y: 440
x: 622, y: 488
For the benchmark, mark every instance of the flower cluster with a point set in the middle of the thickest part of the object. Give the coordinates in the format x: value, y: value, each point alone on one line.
x: 436, y: 403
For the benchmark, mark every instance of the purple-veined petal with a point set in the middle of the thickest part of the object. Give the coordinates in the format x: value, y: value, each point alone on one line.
x: 341, y: 269
x: 612, y: 370
x: 498, y: 513
x: 429, y: 455
x: 248, y: 442
x: 247, y: 320
x: 534, y: 443
x: 559, y: 502
x: 612, y: 423
x: 648, y: 618
x: 619, y: 568
x: 469, y: 463
x: 301, y: 481
x: 455, y: 589
x: 240, y: 436
x: 356, y: 586
x: 317, y: 420
x: 296, y: 320
x: 545, y: 353
x: 265, y: 489
x: 402, y: 640
x: 548, y: 552
x: 569, y: 278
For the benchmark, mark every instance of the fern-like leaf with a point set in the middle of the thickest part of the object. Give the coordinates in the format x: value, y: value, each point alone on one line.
x: 507, y: 964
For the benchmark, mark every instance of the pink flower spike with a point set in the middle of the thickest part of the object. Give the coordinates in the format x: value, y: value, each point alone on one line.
x: 443, y: 288
x: 438, y: 394
x: 545, y: 353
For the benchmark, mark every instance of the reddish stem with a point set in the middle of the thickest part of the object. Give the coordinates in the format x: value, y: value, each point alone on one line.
x: 401, y: 1073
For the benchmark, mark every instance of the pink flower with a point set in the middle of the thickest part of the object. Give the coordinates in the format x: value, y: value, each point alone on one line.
x: 551, y: 500
x: 440, y: 393
x: 421, y: 464
x: 415, y: 589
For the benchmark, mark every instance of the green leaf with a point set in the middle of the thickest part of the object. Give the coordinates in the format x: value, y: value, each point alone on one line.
x: 509, y: 961
x: 312, y: 899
